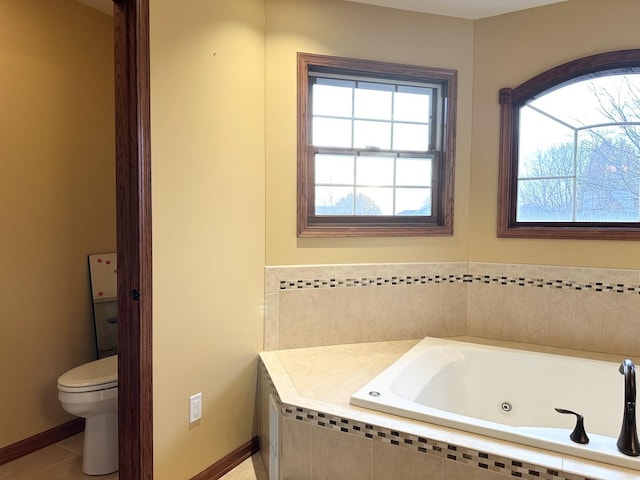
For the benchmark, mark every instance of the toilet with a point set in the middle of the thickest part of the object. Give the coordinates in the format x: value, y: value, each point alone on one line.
x: 91, y: 391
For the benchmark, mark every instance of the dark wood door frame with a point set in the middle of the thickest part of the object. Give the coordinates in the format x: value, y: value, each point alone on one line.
x: 133, y: 219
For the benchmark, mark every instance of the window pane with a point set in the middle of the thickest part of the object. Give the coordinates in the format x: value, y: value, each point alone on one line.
x: 334, y: 201
x: 549, y: 200
x: 545, y: 146
x: 413, y: 172
x: 332, y: 100
x: 372, y: 134
x: 413, y: 201
x: 373, y: 100
x: 594, y: 100
x: 609, y: 174
x: 374, y: 171
x: 347, y: 167
x: 374, y: 201
x: 334, y: 169
x: 331, y: 132
x: 408, y: 136
x: 412, y: 104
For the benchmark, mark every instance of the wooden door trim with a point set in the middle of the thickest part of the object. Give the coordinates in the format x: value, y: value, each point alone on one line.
x: 133, y: 218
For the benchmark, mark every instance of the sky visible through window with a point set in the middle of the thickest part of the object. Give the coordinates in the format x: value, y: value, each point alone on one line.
x: 377, y: 137
x: 579, y: 152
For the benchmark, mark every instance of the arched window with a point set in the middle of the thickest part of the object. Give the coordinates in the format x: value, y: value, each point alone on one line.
x: 570, y: 151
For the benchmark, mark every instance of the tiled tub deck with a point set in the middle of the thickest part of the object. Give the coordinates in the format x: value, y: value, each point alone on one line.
x: 323, y: 437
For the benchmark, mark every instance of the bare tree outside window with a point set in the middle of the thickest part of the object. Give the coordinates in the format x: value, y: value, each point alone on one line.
x: 591, y: 172
x: 570, y: 151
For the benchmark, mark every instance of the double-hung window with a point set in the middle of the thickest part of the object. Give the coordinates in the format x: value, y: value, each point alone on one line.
x: 375, y: 153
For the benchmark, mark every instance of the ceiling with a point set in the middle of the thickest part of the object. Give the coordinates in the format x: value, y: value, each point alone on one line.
x: 105, y: 6
x: 471, y: 9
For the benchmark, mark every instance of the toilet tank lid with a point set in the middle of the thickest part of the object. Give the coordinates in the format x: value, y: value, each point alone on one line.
x: 96, y: 373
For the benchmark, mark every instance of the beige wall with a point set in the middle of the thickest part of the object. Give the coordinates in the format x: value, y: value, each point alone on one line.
x: 510, y: 49
x: 360, y: 31
x: 207, y: 96
x: 57, y: 198
x: 224, y: 176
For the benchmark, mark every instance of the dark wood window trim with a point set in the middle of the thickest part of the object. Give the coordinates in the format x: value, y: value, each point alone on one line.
x: 511, y: 99
x: 310, y: 225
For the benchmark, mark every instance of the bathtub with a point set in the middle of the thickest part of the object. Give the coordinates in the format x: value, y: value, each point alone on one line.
x: 506, y: 394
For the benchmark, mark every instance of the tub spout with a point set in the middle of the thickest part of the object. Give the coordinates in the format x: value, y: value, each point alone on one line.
x: 628, y: 439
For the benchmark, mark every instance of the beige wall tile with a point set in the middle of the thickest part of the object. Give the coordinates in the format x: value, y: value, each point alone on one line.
x: 420, y: 305
x: 547, y: 316
x: 459, y: 471
x: 547, y: 272
x: 322, y: 317
x: 484, y: 310
x: 295, y: 456
x: 263, y: 401
x: 621, y: 323
x: 271, y: 321
x: 336, y: 456
x: 263, y: 415
x: 275, y: 274
x: 526, y: 315
x: 603, y: 275
x: 271, y: 280
x: 264, y: 451
x: 482, y: 268
x: 452, y: 309
x: 392, y: 462
x: 575, y: 274
x: 383, y: 314
x: 578, y: 319
x: 433, y: 309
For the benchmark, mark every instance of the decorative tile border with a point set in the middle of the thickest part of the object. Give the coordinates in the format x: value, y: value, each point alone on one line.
x: 482, y: 460
x: 558, y: 284
x: 370, y: 282
x: 465, y: 278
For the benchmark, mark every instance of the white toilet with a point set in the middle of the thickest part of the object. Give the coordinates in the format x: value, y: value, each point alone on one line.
x: 91, y: 391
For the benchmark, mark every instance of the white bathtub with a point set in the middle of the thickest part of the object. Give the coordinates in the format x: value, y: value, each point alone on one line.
x: 469, y: 386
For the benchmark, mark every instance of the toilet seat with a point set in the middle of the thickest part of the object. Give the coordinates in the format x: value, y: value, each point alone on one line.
x: 93, y: 376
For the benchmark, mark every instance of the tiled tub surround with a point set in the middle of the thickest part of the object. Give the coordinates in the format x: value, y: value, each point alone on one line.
x: 322, y: 436
x: 592, y: 309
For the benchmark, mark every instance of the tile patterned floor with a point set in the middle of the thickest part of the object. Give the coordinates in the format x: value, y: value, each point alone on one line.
x: 62, y: 461
x: 250, y: 469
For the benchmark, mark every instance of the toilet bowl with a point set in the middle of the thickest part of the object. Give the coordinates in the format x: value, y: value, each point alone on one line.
x: 91, y: 391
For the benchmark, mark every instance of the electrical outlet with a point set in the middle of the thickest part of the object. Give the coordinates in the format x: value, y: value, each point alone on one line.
x: 195, y: 407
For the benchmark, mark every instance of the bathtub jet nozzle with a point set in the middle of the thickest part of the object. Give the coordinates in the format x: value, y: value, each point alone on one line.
x: 579, y: 434
x: 628, y: 439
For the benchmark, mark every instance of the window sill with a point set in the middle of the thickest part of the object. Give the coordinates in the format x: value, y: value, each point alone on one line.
x: 571, y: 232
x: 328, y: 230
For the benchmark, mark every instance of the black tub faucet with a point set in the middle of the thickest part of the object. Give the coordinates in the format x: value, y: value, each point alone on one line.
x: 628, y: 439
